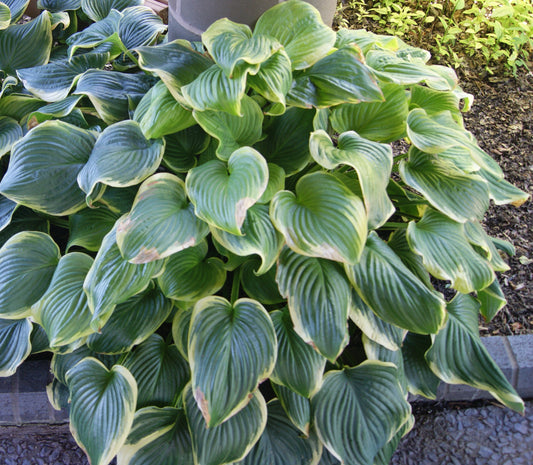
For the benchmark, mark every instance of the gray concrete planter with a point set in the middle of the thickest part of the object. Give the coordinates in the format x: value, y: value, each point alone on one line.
x: 187, y: 19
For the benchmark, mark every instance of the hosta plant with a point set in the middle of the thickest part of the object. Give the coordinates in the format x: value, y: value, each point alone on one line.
x: 247, y: 250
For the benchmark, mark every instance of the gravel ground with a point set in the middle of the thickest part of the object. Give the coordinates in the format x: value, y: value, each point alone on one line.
x: 443, y: 435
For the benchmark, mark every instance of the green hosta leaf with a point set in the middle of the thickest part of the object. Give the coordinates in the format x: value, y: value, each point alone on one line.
x: 492, y: 300
x: 384, y: 456
x: 10, y: 132
x: 234, y: 49
x: 39, y: 340
x: 274, y: 78
x: 229, y: 442
x: 17, y: 106
x: 447, y: 254
x: 58, y: 395
x: 175, y: 63
x: 159, y: 436
x: 28, y: 263
x: 319, y: 298
x: 102, y: 408
x: 377, y: 121
x: 7, y: 208
x: 260, y: 287
x: 231, y: 131
x: 113, y: 280
x: 231, y: 349
x: 297, y: 407
x: 110, y: 92
x: 7, y: 83
x: 501, y: 191
x: 99, y: 9
x: 420, y: 379
x: 63, y: 311
x: 60, y: 109
x: 17, y: 8
x: 484, y: 245
x: 434, y: 101
x: 26, y: 45
x: 276, y: 183
x: 89, y: 226
x: 5, y: 16
x: 59, y: 5
x: 132, y: 322
x: 182, y: 147
x: 160, y: 371
x: 53, y: 81
x: 298, y: 366
x: 358, y: 410
x: 23, y: 219
x: 287, y: 141
x: 323, y: 219
x: 299, y: 28
x: 139, y: 26
x: 371, y: 160
x: 180, y: 331
x: 258, y: 237
x: 153, y: 112
x: 282, y: 443
x: 328, y: 458
x: 190, y: 276
x: 373, y: 327
x: 213, y: 90
x: 222, y: 194
x: 393, y: 292
x: 460, y: 196
x: 469, y: 362
x: 14, y: 344
x: 161, y: 222
x: 42, y: 171
x: 121, y: 157
x: 340, y: 77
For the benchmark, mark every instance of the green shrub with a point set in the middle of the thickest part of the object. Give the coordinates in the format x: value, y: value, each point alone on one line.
x: 491, y: 33
x: 193, y: 232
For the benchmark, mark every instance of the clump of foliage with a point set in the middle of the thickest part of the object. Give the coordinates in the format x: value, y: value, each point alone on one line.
x: 196, y: 229
x: 487, y: 33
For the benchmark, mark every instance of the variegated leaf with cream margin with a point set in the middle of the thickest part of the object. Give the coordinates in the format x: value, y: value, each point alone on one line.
x: 229, y: 345
x: 322, y: 219
x: 99, y: 9
x: 102, y: 408
x: 10, y: 132
x: 15, y: 344
x: 222, y: 193
x: 161, y: 221
x: 297, y: 407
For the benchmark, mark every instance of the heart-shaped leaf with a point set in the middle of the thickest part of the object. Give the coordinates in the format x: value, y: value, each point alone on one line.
x: 371, y: 160
x: 113, y: 280
x: 139, y: 26
x: 323, y: 219
x: 99, y: 9
x: 447, y: 253
x: 393, y: 292
x: 26, y: 45
x: 319, y: 299
x: 231, y: 441
x: 282, y: 443
x: 10, y: 132
x: 160, y: 371
x: 471, y: 363
x: 460, y: 196
x: 42, y: 171
x: 304, y: 45
x: 132, y: 322
x: 110, y: 92
x: 231, y: 349
x: 297, y: 407
x: 102, y: 408
x: 358, y: 410
x: 158, y: 435
x: 190, y: 276
x: 222, y: 194
x: 298, y: 366
x: 15, y: 344
x: 29, y: 260
x: 121, y: 157
x: 231, y: 131
x: 160, y: 223
x: 63, y: 311
x: 53, y: 81
x: 235, y: 50
x: 258, y: 237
